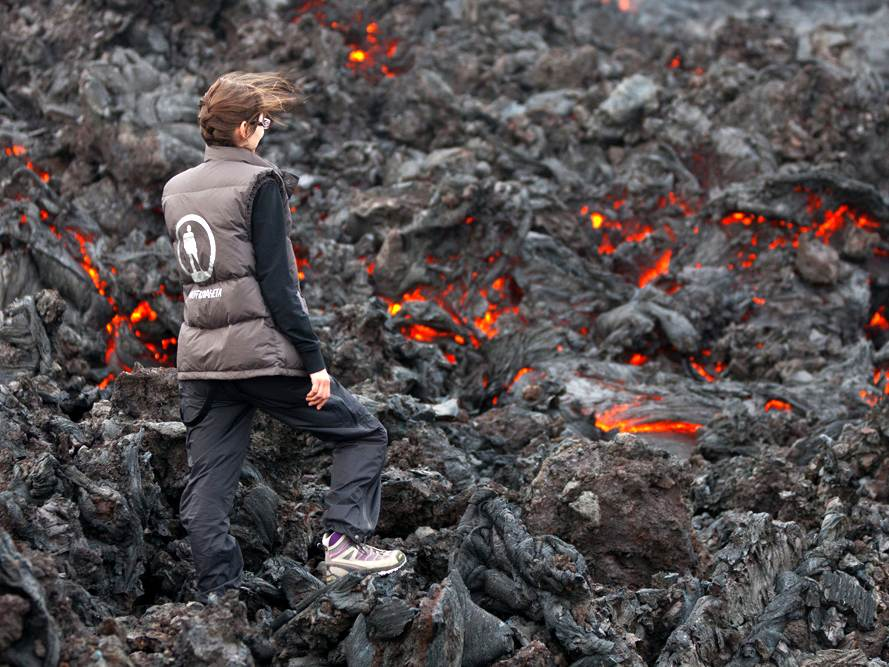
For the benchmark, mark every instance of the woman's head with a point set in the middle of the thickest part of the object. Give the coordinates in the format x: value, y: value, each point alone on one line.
x: 233, y: 108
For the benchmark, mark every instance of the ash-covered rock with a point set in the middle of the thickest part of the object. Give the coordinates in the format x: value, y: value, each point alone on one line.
x: 522, y: 228
x: 622, y: 504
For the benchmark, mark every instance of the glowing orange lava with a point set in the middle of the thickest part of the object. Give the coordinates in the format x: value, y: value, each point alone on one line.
x: 700, y: 370
x: 832, y: 221
x: 612, y: 419
x: 660, y: 268
x: 521, y: 372
x: 868, y: 397
x: 143, y: 312
x: 878, y: 320
x: 501, y: 298
x: 367, y: 47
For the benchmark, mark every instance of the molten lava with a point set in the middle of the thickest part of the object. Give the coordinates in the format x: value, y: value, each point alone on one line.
x: 775, y: 404
x: 502, y: 297
x: 699, y: 368
x: 878, y: 320
x: 143, y: 312
x: 17, y: 150
x: 370, y: 53
x: 521, y: 372
x: 302, y: 260
x: 612, y: 419
x: 788, y: 232
x: 614, y: 232
x: 660, y: 268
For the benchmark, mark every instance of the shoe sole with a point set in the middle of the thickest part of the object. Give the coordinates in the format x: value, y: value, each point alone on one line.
x: 333, y: 572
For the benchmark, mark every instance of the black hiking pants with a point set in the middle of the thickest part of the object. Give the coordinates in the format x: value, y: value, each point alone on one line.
x: 218, y: 415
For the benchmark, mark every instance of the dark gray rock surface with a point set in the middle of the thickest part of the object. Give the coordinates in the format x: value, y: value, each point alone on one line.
x: 612, y: 274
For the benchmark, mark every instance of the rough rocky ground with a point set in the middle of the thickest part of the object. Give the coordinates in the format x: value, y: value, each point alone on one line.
x: 615, y: 282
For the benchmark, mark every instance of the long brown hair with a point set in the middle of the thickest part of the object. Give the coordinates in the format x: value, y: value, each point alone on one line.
x: 239, y: 96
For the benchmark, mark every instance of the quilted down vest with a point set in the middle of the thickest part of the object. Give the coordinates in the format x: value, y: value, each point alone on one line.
x: 227, y: 330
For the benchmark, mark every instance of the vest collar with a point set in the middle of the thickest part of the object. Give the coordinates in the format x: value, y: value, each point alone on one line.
x: 235, y: 153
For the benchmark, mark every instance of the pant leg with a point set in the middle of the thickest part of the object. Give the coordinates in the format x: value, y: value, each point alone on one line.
x: 358, y: 439
x: 216, y: 449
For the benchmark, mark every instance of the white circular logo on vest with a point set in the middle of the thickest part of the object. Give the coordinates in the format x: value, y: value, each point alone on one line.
x: 186, y: 241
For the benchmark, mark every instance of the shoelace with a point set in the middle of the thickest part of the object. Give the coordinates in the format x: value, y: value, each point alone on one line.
x: 366, y: 548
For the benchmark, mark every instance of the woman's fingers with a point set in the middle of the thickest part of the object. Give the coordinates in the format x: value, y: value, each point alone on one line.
x: 319, y: 393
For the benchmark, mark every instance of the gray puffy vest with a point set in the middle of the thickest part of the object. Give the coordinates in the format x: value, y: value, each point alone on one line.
x: 227, y: 331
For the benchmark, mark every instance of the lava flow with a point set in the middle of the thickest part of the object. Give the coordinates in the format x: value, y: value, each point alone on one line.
x: 787, y: 232
x: 143, y: 310
x: 660, y: 268
x: 503, y: 297
x: 508, y: 386
x: 369, y: 52
x: 700, y: 366
x: 615, y: 230
x: 775, y: 404
x: 617, y: 227
x: 613, y: 418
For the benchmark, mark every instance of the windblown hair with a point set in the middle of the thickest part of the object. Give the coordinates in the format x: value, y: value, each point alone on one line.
x: 239, y: 96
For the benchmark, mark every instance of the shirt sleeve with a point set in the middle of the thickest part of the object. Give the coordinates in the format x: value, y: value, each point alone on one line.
x: 269, y: 222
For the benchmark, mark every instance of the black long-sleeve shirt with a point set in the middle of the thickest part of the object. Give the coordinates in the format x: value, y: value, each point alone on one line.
x: 269, y: 222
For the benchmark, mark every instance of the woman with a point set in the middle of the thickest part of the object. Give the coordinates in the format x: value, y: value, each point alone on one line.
x: 246, y: 342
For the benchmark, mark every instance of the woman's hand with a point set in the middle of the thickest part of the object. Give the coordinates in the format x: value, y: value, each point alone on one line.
x: 320, y: 391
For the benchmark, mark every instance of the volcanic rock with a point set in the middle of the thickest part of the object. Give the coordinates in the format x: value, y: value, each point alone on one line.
x: 544, y: 243
x: 621, y: 503
x: 632, y: 97
x: 818, y: 263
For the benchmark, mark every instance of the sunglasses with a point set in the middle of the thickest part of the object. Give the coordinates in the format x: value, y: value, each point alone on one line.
x: 266, y: 122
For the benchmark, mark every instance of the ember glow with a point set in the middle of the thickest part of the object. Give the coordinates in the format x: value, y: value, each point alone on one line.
x: 495, y: 308
x: 700, y: 370
x: 881, y: 376
x: 302, y: 260
x: 425, y: 334
x: 700, y: 367
x: 616, y: 224
x: 878, y: 320
x: 626, y: 6
x: 869, y: 397
x: 620, y: 227
x: 370, y: 53
x: 508, y: 386
x: 775, y: 404
x: 521, y: 372
x: 614, y: 418
x: 17, y: 150
x: 501, y: 297
x: 660, y: 268
x: 143, y: 312
x: 824, y: 224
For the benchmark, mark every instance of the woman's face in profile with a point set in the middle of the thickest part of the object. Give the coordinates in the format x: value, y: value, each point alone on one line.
x: 251, y: 141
